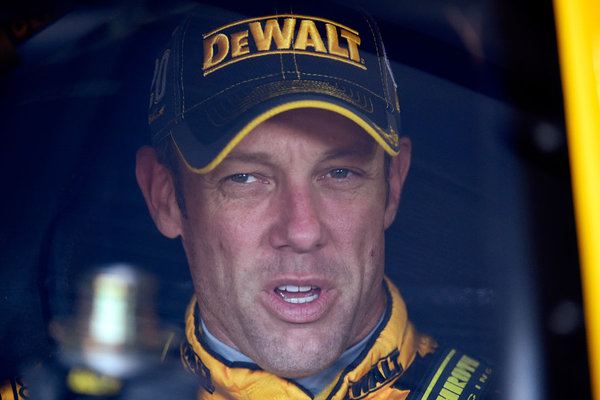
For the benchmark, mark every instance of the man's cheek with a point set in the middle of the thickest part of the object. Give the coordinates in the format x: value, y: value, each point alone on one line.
x: 349, y: 222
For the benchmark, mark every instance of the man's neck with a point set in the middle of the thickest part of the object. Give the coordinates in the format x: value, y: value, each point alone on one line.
x: 314, y: 383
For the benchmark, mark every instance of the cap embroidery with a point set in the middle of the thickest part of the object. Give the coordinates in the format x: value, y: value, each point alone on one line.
x: 159, y: 79
x: 284, y: 34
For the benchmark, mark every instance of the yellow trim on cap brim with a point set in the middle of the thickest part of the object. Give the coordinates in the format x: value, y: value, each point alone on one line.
x: 278, y: 110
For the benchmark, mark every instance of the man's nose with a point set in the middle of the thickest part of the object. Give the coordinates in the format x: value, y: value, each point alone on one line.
x: 299, y: 225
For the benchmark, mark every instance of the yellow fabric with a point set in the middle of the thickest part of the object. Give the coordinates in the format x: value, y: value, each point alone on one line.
x: 578, y: 32
x: 13, y: 390
x: 398, y: 340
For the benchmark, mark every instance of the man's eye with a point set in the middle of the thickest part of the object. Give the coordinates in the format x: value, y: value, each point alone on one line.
x: 339, y: 173
x: 242, y: 178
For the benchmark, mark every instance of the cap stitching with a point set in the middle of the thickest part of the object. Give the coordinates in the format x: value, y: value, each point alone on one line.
x: 344, y: 80
x: 294, y: 53
x: 181, y: 77
x: 181, y: 44
x: 296, y: 65
x: 223, y: 64
x: 280, y: 54
x: 270, y: 90
x: 281, y: 64
x: 270, y: 75
x: 381, y: 74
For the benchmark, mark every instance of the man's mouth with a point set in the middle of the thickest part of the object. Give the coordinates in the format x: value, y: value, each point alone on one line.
x: 298, y: 294
x: 299, y: 300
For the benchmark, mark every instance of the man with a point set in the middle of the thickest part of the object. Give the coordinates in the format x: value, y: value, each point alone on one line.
x: 276, y: 158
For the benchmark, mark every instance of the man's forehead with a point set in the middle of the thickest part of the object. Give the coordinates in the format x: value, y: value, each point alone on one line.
x: 332, y: 135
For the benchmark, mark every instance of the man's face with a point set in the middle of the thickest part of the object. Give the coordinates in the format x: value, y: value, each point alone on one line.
x: 285, y: 241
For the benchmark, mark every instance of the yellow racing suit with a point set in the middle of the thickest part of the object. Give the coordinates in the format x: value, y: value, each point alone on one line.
x: 399, y: 363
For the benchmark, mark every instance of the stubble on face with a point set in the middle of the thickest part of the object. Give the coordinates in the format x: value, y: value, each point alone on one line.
x: 238, y: 255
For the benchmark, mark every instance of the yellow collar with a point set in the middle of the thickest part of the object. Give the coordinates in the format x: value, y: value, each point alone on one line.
x: 390, y: 353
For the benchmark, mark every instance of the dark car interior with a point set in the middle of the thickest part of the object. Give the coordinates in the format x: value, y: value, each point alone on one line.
x: 483, y: 248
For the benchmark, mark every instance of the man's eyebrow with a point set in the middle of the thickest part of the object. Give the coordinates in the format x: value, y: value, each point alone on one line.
x: 360, y: 152
x: 255, y: 157
x: 354, y: 151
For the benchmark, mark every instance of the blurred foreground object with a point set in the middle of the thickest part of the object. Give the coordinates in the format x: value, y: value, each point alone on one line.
x: 113, y: 335
x: 579, y: 49
x: 115, y: 329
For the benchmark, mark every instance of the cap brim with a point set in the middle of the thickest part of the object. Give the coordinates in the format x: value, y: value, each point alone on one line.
x: 197, y: 163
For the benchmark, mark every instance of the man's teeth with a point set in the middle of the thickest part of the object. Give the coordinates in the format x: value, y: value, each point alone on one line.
x: 301, y: 300
x: 294, y: 288
x: 298, y: 294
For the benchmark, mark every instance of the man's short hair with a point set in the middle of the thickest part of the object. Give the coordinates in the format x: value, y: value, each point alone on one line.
x: 168, y: 156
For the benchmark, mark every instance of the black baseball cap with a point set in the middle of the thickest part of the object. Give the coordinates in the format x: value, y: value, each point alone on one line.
x: 224, y: 72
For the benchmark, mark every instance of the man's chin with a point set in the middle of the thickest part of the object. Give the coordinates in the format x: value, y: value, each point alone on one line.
x: 301, y: 359
x: 300, y: 368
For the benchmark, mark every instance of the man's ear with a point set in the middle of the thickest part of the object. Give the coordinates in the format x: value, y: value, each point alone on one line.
x: 156, y: 184
x: 399, y: 166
